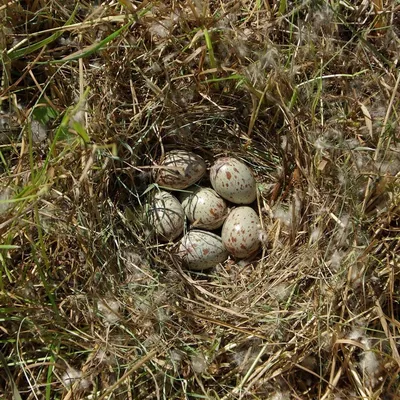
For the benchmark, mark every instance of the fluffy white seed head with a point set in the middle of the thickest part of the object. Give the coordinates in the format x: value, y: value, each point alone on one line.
x: 336, y: 260
x: 371, y: 368
x: 109, y: 309
x: 71, y: 375
x: 199, y: 363
x: 285, y: 215
x: 281, y: 291
x: 280, y: 396
x: 5, y: 196
x: 369, y: 363
x: 315, y: 235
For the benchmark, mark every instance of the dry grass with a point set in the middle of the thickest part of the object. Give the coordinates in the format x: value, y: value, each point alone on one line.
x: 305, y: 92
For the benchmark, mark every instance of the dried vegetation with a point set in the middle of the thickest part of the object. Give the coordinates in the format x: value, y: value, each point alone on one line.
x: 306, y: 92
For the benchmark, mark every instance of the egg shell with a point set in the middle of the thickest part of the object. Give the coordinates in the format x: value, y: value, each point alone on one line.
x: 205, y: 209
x: 240, y: 232
x: 180, y: 169
x: 166, y: 216
x: 233, y: 180
x: 201, y: 250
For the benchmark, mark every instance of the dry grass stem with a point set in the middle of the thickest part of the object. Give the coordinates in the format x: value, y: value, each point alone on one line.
x: 94, y: 94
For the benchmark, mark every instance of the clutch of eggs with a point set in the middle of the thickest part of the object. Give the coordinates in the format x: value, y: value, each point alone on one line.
x: 206, y: 208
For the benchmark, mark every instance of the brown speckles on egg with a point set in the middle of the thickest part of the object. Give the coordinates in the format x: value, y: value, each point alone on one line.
x: 240, y: 232
x: 233, y: 180
x: 205, y: 209
x: 179, y: 169
x: 209, y: 250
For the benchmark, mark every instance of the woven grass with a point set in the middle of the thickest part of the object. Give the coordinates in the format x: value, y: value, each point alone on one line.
x: 92, y: 95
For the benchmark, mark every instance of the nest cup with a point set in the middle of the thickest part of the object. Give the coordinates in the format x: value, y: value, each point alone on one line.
x: 206, y: 209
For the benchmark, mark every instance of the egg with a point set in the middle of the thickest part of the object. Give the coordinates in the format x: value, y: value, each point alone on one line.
x: 240, y: 232
x: 166, y: 216
x: 205, y: 209
x: 201, y: 250
x: 233, y: 180
x: 179, y: 169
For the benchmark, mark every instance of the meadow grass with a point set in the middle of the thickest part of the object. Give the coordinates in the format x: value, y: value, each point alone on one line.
x: 94, y: 93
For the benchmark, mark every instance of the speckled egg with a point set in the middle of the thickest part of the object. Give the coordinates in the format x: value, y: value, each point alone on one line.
x: 205, y: 209
x: 240, y: 232
x: 201, y: 250
x: 166, y: 216
x: 179, y: 169
x: 233, y: 180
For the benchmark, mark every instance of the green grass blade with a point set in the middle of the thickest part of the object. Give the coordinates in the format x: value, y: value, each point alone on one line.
x: 49, y: 378
x: 236, y: 77
x: 282, y: 7
x: 94, y: 47
x: 210, y: 48
x: 18, y: 53
x: 8, y: 247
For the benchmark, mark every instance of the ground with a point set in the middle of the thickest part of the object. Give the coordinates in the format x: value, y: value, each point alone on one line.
x: 94, y: 93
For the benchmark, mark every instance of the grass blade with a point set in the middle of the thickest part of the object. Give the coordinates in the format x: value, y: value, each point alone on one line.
x: 18, y: 53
